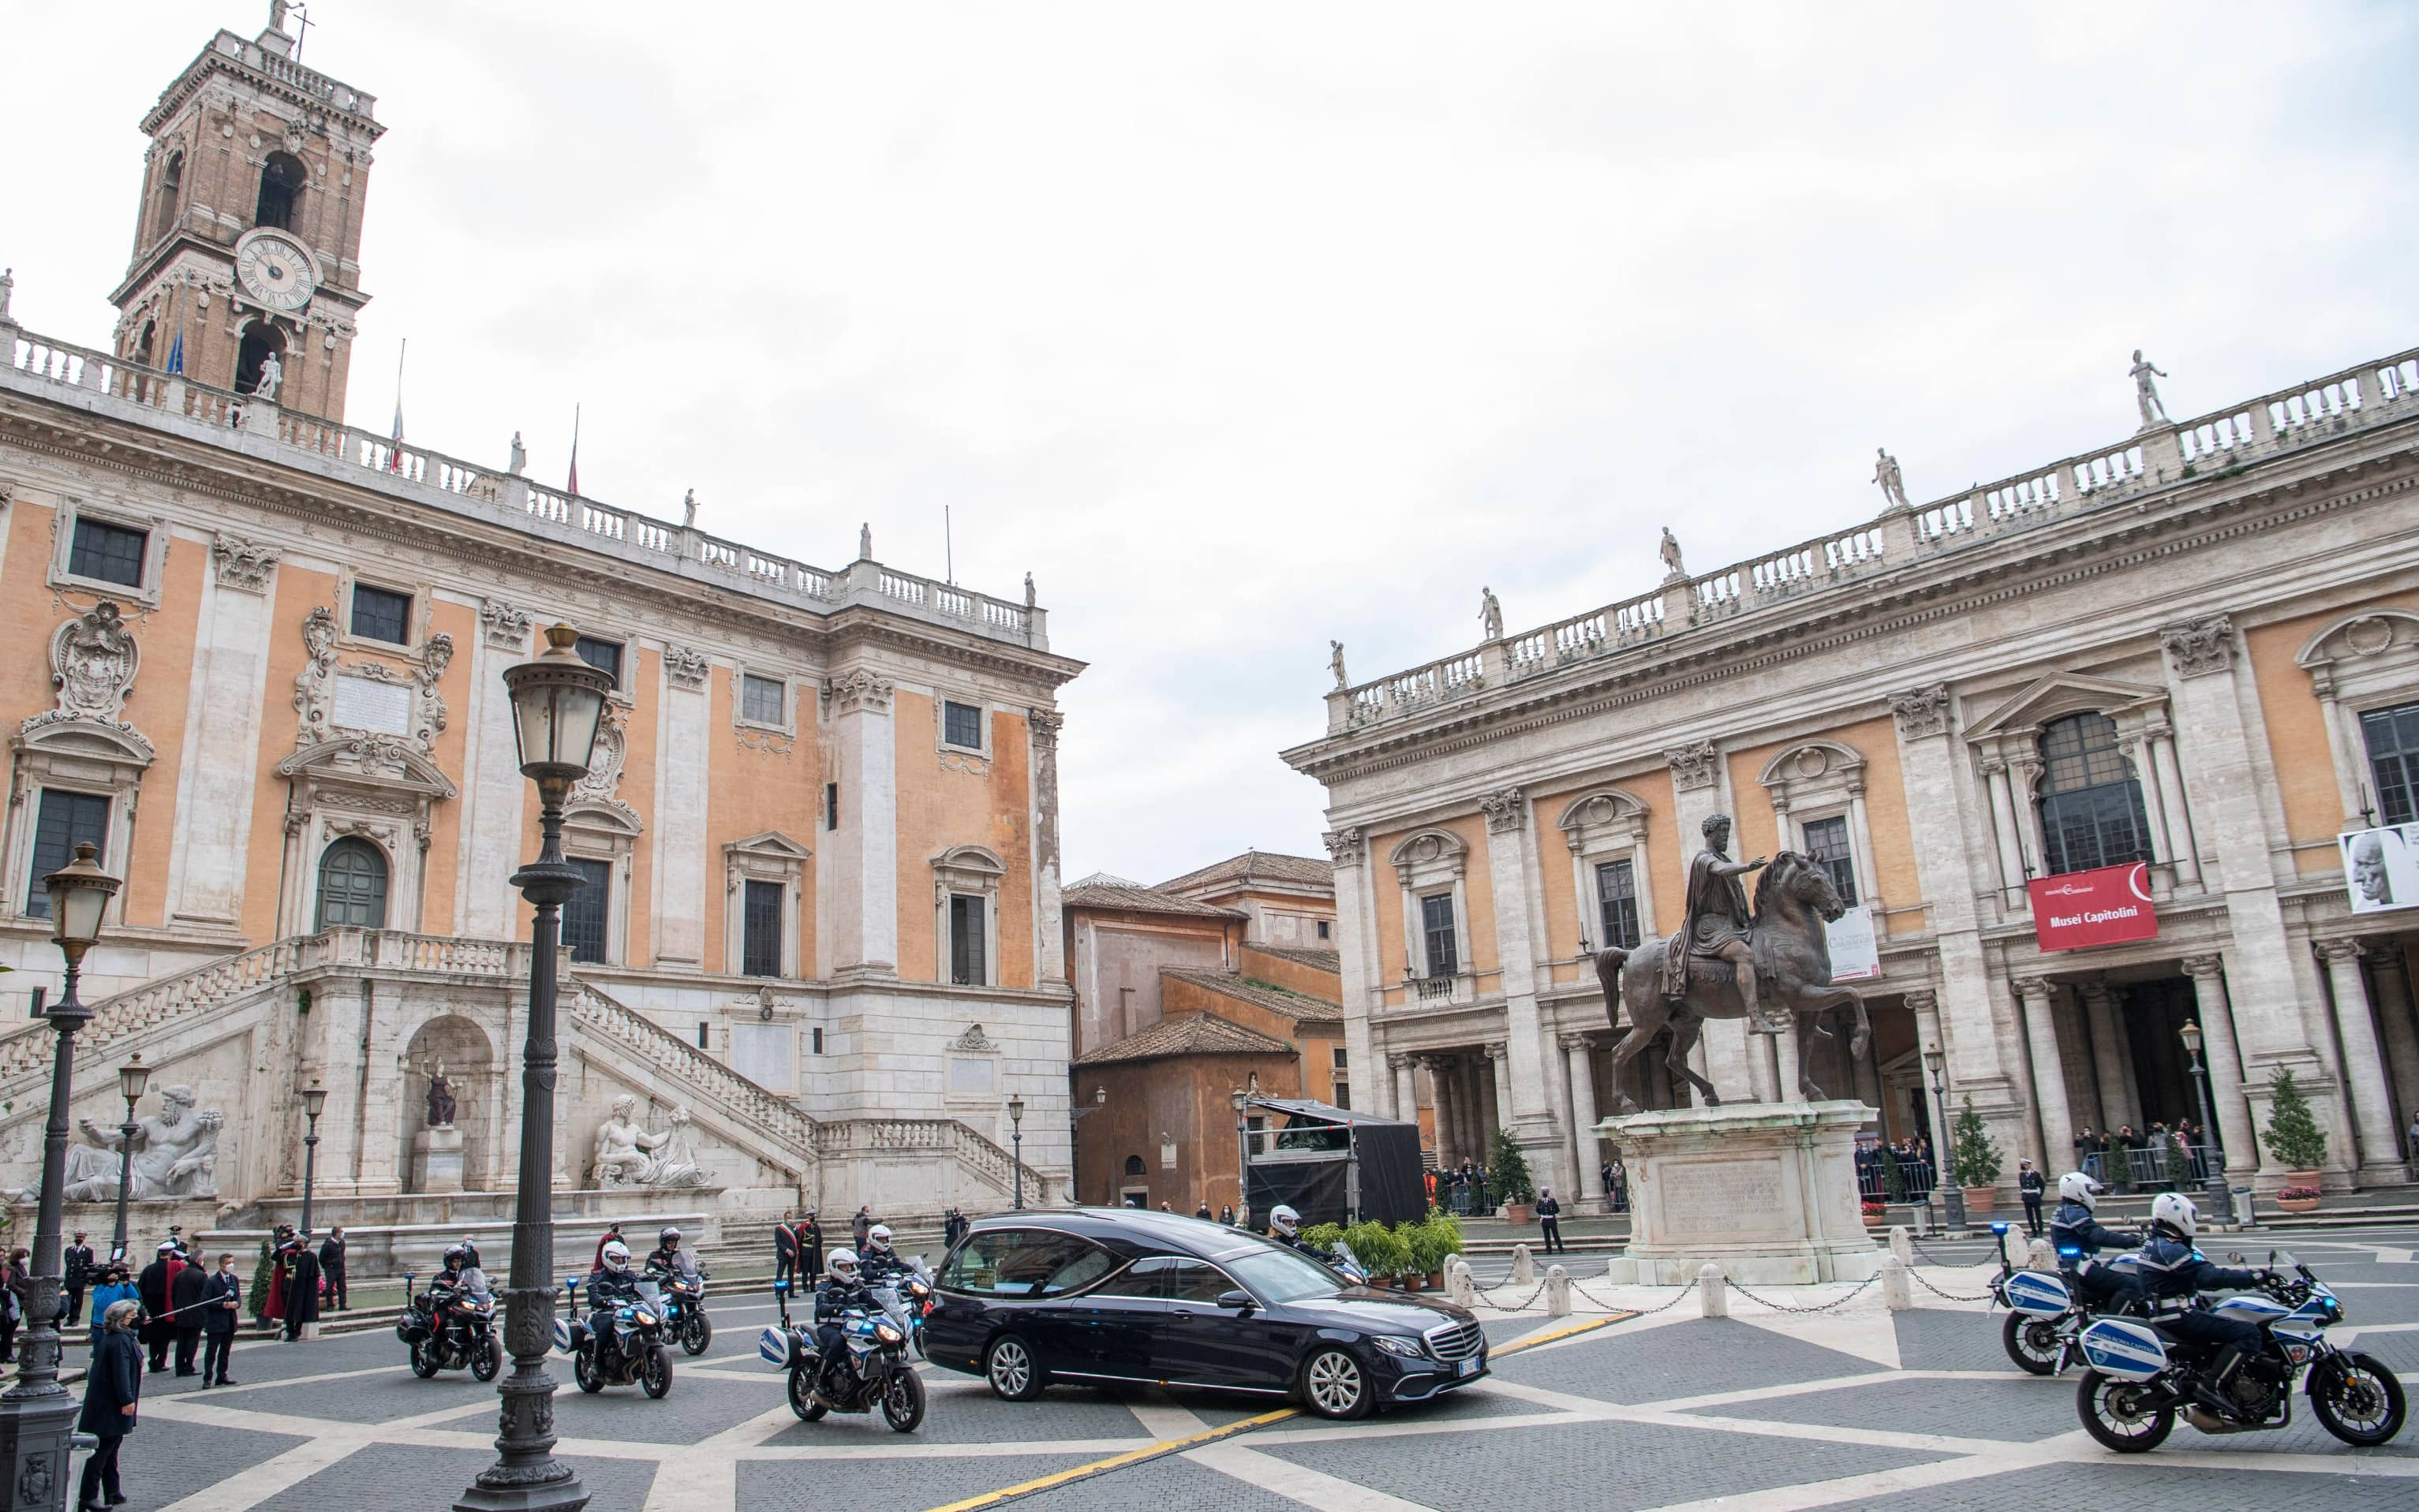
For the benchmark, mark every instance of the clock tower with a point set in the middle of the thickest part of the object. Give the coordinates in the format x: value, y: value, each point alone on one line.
x: 247, y: 242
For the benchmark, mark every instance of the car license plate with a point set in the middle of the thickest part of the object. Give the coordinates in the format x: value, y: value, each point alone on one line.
x: 1469, y: 1367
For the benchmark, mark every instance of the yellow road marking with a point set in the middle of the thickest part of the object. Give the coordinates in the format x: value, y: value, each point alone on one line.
x: 1194, y: 1440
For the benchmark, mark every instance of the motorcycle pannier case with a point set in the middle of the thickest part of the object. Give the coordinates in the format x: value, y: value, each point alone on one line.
x: 2128, y: 1351
x: 2037, y: 1293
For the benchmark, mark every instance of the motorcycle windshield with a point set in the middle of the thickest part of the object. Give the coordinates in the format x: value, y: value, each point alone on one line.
x: 650, y: 1294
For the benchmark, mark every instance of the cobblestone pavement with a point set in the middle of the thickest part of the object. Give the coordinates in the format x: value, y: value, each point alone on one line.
x: 1853, y: 1408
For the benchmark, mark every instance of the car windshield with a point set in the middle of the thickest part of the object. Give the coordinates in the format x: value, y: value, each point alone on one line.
x: 1284, y: 1274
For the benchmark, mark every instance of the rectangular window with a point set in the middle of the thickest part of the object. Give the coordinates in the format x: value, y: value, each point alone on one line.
x: 379, y: 614
x: 1343, y: 1093
x: 761, y: 700
x: 2391, y: 735
x: 759, y: 949
x: 63, y: 819
x: 603, y: 655
x: 1325, y: 929
x: 41, y: 997
x: 704, y: 1035
x: 1436, y: 923
x: 1827, y: 841
x: 1616, y: 905
x: 962, y: 724
x: 108, y: 553
x: 966, y: 940
x: 831, y: 805
x: 585, y: 914
x: 1336, y: 1057
x: 816, y: 1037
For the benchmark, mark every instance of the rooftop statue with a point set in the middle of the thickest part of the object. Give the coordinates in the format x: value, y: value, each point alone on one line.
x: 1670, y: 553
x: 1491, y: 613
x: 1893, y: 484
x: 2146, y: 393
x: 1335, y: 664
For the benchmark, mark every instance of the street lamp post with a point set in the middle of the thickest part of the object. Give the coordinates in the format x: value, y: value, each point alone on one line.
x: 315, y: 1097
x: 36, y: 1414
x: 2214, y: 1177
x: 1952, y: 1197
x: 1016, y: 1144
x: 132, y: 1078
x: 558, y: 702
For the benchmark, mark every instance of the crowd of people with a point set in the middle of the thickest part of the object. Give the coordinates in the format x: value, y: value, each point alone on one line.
x: 2125, y: 1160
x: 1918, y: 1173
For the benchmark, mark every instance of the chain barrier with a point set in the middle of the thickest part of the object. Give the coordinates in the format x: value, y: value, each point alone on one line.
x: 1950, y: 1296
x: 1992, y: 1258
x: 1643, y: 1312
x: 1518, y: 1307
x: 1824, y: 1307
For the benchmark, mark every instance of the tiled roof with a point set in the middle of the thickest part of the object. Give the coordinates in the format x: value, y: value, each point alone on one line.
x: 1089, y: 894
x: 1299, y: 1007
x: 1264, y: 866
x: 1324, y: 960
x: 1192, y: 1035
x: 1104, y: 880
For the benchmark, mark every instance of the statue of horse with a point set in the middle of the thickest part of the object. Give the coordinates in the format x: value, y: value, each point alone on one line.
x: 1794, y: 899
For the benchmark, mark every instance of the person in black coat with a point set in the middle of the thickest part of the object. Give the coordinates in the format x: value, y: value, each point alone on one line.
x: 152, y: 1286
x: 302, y: 1287
x: 332, y: 1269
x: 1550, y: 1218
x: 811, y: 1247
x: 785, y: 1249
x: 111, y: 1389
x: 185, y: 1300
x: 222, y: 1309
x: 78, y: 1260
x: 2029, y: 1184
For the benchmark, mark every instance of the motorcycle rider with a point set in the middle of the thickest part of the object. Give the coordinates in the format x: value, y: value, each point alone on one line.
x: 842, y: 1291
x: 669, y: 1257
x: 2173, y: 1270
x: 880, y: 1262
x: 2073, y: 1227
x: 1284, y: 1227
x: 447, y: 1287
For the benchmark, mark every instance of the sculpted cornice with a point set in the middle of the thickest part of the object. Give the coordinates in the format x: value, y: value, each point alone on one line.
x: 1974, y: 580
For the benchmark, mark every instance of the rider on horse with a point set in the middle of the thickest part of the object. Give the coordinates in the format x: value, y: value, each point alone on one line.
x: 1717, y: 927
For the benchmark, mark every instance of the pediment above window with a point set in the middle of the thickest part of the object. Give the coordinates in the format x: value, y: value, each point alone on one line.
x: 1813, y: 772
x: 370, y: 761
x: 967, y: 869
x: 2017, y: 723
x: 1605, y: 817
x: 2365, y: 654
x: 1429, y: 855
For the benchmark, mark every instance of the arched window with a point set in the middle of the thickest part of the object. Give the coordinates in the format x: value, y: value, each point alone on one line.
x: 142, y: 342
x: 260, y: 338
x: 282, y: 179
x: 1136, y: 1167
x: 352, y: 885
x: 2091, y: 801
x: 172, y: 188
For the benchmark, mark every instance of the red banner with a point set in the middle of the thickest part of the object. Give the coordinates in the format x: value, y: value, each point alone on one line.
x: 2105, y: 906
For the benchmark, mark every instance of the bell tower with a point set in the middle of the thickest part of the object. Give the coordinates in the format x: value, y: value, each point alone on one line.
x: 246, y: 270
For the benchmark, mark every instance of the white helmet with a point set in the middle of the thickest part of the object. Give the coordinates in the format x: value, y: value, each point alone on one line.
x: 1284, y: 1219
x: 842, y: 1266
x: 617, y: 1257
x: 2074, y: 1187
x: 2176, y: 1210
x: 877, y: 1239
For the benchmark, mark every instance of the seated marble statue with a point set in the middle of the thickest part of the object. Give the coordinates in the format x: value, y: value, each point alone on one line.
x: 623, y: 1147
x: 176, y: 1154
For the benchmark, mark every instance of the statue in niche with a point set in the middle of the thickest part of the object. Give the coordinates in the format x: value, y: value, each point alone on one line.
x: 440, y: 1099
x: 1490, y: 613
x: 1669, y: 551
x: 2146, y: 393
x: 176, y: 1154
x: 273, y: 375
x: 628, y: 1154
x: 1893, y: 484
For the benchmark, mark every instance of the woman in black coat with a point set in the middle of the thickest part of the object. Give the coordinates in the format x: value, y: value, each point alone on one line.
x: 111, y: 1389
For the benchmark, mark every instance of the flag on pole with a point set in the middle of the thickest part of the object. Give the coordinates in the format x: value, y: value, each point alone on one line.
x: 395, y: 443
x: 176, y: 354
x: 573, y: 486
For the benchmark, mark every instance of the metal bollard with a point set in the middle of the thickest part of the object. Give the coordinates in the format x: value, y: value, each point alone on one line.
x: 1524, y: 1270
x: 1558, y: 1291
x: 1458, y: 1283
x: 1713, y: 1292
x: 1901, y: 1244
x: 1898, y: 1289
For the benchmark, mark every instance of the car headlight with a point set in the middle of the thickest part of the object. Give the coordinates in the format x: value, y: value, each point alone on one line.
x: 1409, y: 1348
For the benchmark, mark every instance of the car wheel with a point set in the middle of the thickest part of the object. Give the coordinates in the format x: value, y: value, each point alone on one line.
x: 1335, y: 1384
x: 1011, y: 1370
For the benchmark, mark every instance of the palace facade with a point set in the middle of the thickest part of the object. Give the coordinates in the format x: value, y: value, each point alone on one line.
x: 2087, y: 747
x: 258, y: 668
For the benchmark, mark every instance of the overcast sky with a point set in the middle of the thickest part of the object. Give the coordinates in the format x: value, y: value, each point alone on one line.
x: 1249, y: 326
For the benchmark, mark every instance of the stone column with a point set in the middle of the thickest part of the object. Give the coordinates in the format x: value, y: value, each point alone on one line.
x: 2398, y: 1028
x: 2221, y: 1049
x: 2171, y: 800
x: 1498, y: 1060
x: 494, y: 791
x: 1583, y: 1114
x: 2379, y: 1149
x: 220, y: 770
x: 1406, y: 1087
x: 2004, y: 829
x: 1356, y: 949
x: 1050, y: 940
x: 2100, y: 1019
x: 864, y: 877
x: 1448, y: 1113
x: 2049, y: 1069
x: 1523, y: 1076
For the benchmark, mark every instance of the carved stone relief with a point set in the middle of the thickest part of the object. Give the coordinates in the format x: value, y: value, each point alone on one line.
x: 1344, y: 846
x: 1694, y: 766
x: 1922, y: 711
x: 2200, y: 647
x: 243, y: 565
x: 93, y: 660
x: 1506, y: 809
x: 507, y: 626
x: 858, y: 690
x: 686, y: 666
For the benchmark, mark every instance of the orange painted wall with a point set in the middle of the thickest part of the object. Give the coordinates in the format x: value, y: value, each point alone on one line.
x: 299, y: 590
x: 754, y: 790
x: 1885, y: 816
x: 1664, y: 863
x: 942, y: 806
x: 2297, y: 730
x: 1478, y: 891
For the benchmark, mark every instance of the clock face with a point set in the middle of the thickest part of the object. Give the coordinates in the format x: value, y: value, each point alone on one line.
x: 275, y: 271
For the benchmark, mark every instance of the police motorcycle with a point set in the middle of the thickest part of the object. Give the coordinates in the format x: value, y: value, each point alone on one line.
x: 906, y: 1297
x: 464, y: 1334
x: 1345, y: 1263
x: 2140, y: 1378
x: 2044, y: 1316
x: 877, y: 1368
x: 683, y: 1300
x: 621, y: 1339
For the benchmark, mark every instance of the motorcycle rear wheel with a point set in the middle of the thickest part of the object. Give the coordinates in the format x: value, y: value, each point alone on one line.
x: 655, y: 1372
x: 2031, y: 1342
x: 486, y: 1359
x: 903, y: 1399
x: 696, y: 1333
x: 2116, y: 1414
x: 2359, y: 1400
x: 584, y: 1370
x: 801, y: 1400
x: 424, y: 1360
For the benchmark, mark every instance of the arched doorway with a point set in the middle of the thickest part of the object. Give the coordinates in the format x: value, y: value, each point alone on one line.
x: 460, y: 1047
x: 352, y: 886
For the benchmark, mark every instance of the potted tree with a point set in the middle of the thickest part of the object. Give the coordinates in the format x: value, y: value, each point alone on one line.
x: 2298, y: 1143
x: 1446, y: 1244
x: 1507, y: 1172
x: 1382, y: 1255
x: 1974, y: 1160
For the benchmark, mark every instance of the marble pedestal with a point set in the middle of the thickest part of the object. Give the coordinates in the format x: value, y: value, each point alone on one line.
x: 437, y: 1160
x: 1767, y: 1191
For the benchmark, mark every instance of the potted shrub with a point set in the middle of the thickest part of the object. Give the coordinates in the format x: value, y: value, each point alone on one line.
x: 1321, y: 1237
x: 2298, y: 1199
x: 1382, y: 1255
x: 1974, y: 1160
x: 1446, y: 1241
x: 1507, y: 1176
x: 1421, y: 1243
x: 2293, y: 1135
x: 1875, y: 1213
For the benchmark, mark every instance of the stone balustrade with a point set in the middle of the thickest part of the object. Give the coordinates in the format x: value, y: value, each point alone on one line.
x: 774, y: 1117
x: 836, y: 1140
x: 2370, y: 393
x: 108, y: 384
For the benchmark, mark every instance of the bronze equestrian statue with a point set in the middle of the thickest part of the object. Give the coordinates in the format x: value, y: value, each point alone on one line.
x: 1780, y: 948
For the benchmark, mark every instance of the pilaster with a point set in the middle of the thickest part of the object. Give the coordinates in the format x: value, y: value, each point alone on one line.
x: 864, y: 883
x: 1529, y: 1111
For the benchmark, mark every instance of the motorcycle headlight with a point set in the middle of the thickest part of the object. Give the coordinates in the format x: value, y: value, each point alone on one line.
x: 1407, y: 1348
x: 645, y: 1320
x: 888, y: 1335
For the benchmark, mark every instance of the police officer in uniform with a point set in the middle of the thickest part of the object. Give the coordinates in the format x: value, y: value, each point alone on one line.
x: 2174, y: 1272
x: 2080, y: 1237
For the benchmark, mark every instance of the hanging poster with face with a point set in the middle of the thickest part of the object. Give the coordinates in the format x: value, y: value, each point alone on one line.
x: 2382, y: 868
x: 1855, y: 954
